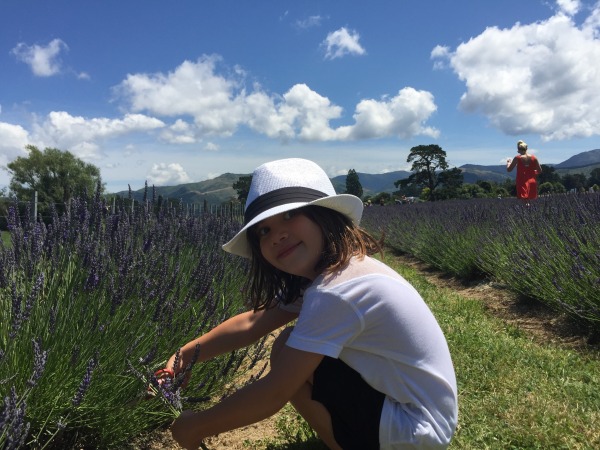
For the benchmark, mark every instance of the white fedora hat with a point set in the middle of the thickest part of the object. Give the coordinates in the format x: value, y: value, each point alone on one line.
x: 287, y: 184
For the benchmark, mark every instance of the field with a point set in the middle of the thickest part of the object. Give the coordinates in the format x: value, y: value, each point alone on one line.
x: 547, y: 250
x: 93, y: 302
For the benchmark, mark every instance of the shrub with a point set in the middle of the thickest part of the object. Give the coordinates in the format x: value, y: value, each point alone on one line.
x: 548, y: 251
x: 94, y: 303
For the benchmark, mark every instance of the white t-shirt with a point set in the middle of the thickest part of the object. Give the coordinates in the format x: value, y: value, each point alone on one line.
x: 371, y: 318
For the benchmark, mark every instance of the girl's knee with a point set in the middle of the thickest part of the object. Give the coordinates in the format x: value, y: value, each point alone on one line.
x: 280, y: 342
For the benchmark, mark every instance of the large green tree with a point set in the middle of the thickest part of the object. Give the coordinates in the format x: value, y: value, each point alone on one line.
x: 451, y: 182
x: 54, y: 174
x: 428, y: 162
x: 353, y: 185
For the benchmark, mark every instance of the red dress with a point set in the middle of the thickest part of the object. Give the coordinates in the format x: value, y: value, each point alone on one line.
x: 526, y: 178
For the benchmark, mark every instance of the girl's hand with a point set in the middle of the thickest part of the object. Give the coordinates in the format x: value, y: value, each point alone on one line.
x: 178, y: 369
x: 184, y: 432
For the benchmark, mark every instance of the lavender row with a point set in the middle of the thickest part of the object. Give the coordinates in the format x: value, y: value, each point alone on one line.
x: 92, y: 304
x: 549, y: 250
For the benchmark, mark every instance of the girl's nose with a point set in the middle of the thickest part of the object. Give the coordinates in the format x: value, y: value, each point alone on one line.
x: 280, y: 235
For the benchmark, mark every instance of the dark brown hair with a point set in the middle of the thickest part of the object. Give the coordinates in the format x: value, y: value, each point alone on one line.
x: 342, y: 240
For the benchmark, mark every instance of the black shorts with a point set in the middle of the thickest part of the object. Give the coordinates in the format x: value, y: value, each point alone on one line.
x: 354, y: 406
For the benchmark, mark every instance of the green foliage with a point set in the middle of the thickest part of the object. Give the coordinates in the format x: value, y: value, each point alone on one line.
x: 551, y: 188
x: 57, y: 176
x: 383, y: 198
x: 242, y: 187
x: 548, y: 251
x: 575, y: 181
x: 353, y: 185
x: 594, y: 178
x: 430, y: 169
x: 93, y: 304
x: 548, y: 175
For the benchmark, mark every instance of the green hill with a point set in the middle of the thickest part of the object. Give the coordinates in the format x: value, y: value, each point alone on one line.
x: 214, y: 191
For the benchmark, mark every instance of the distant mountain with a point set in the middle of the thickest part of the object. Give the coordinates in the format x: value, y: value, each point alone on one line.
x: 220, y: 189
x: 580, y: 160
x: 473, y: 172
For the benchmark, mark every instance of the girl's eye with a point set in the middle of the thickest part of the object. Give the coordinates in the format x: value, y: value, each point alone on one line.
x: 289, y: 214
x: 262, y: 231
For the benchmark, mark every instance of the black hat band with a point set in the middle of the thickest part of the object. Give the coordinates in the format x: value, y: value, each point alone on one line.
x: 280, y: 197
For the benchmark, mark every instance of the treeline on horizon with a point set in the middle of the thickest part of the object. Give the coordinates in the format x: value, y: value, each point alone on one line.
x: 42, y: 174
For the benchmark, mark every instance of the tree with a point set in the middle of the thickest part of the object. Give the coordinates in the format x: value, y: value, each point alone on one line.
x: 381, y: 199
x: 594, y: 177
x: 428, y: 161
x: 56, y: 175
x: 469, y: 190
x: 546, y: 188
x: 574, y: 181
x: 242, y: 187
x: 353, y: 185
x: 549, y: 174
x: 451, y: 182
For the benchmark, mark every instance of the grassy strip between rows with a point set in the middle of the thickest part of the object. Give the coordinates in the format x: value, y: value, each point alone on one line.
x: 514, y: 393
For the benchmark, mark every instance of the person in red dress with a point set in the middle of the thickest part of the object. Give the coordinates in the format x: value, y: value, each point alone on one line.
x: 528, y: 168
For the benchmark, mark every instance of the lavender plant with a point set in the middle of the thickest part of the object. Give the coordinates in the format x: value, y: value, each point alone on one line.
x: 550, y: 251
x: 105, y: 297
x: 547, y: 251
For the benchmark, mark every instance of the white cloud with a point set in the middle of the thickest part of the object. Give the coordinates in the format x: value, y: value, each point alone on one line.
x: 569, y: 7
x: 13, y: 140
x: 43, y: 61
x: 211, y: 147
x: 304, y: 114
x: 440, y: 54
x: 167, y: 175
x: 401, y: 116
x: 219, y: 105
x: 342, y: 42
x: 541, y: 78
x: 80, y: 135
x: 180, y: 132
x: 192, y: 89
x: 310, y: 113
x: 309, y: 22
x: 591, y: 26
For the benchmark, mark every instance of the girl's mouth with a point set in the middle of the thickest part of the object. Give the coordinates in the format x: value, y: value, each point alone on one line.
x: 287, y: 251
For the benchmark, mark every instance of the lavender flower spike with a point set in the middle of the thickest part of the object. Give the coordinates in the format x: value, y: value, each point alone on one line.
x: 39, y: 363
x: 85, y: 383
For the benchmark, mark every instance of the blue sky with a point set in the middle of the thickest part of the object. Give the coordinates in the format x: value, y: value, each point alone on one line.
x: 179, y: 92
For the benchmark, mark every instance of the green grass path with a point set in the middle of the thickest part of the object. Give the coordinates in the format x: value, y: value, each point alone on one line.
x: 514, y: 393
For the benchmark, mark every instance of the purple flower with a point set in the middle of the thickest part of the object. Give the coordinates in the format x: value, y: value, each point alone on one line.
x: 12, y: 421
x: 39, y: 363
x: 85, y: 382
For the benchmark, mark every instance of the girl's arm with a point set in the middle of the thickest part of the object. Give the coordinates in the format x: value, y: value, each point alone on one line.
x: 236, y: 332
x: 251, y: 404
x: 538, y: 167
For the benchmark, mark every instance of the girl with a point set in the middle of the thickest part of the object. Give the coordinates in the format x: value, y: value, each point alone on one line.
x: 528, y: 168
x: 366, y: 363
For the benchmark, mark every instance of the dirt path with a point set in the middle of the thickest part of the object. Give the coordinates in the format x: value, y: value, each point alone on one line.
x: 541, y: 323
